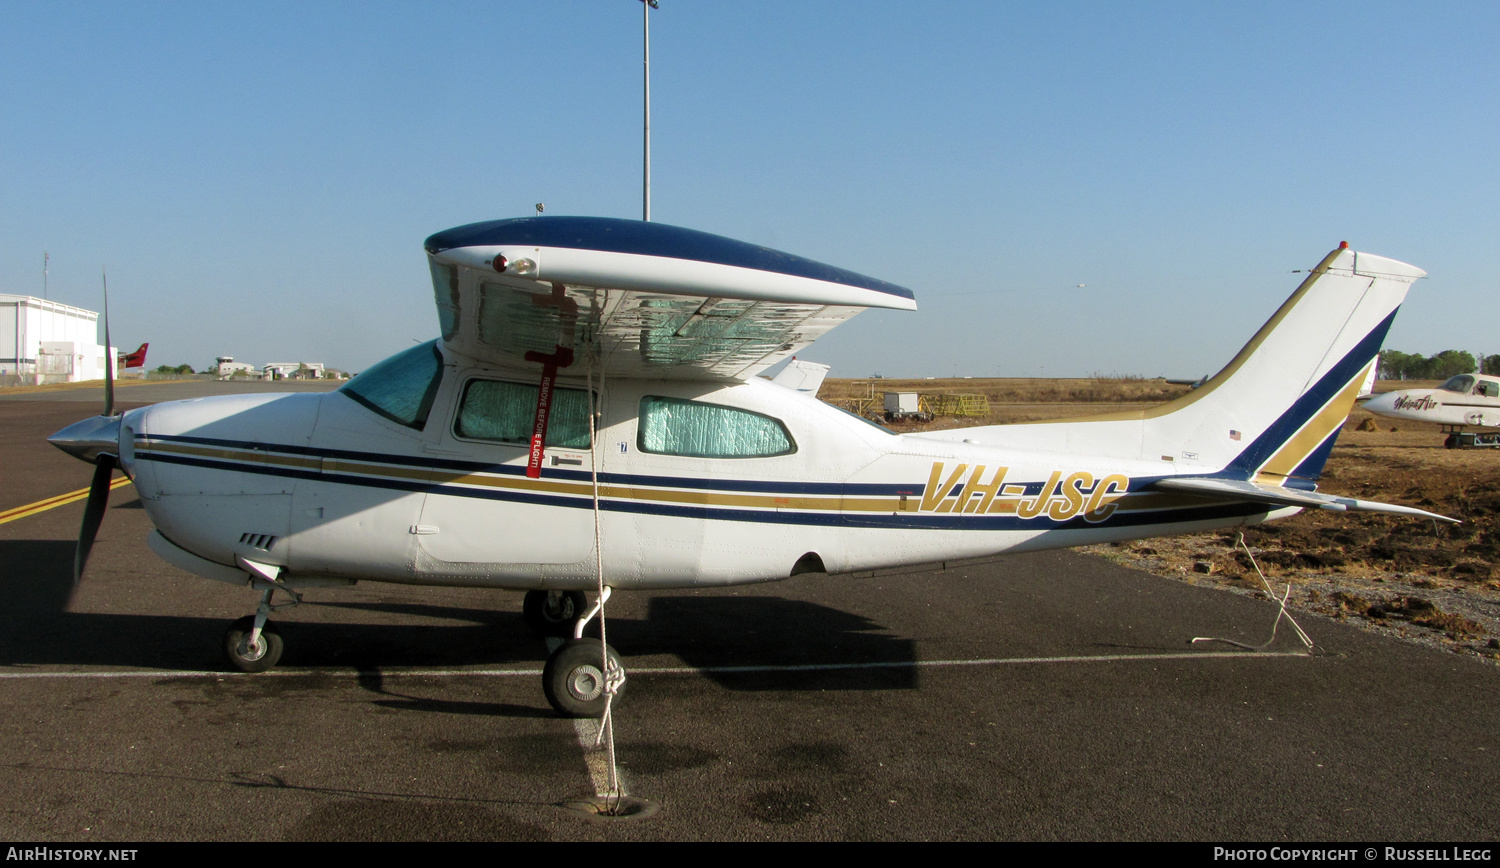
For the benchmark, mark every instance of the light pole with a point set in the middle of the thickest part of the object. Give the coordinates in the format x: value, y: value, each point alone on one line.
x: 646, y: 7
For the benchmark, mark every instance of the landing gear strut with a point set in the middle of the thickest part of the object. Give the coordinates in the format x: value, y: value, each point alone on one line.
x: 552, y: 613
x: 582, y: 673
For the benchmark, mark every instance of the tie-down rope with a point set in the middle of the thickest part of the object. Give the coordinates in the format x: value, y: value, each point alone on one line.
x: 613, y: 677
x: 1283, y: 613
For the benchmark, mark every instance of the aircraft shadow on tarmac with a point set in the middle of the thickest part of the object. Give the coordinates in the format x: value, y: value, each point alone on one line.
x: 36, y: 629
x: 742, y: 643
x: 775, y: 635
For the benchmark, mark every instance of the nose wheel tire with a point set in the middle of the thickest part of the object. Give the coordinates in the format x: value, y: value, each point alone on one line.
x: 552, y: 613
x: 573, y: 681
x: 260, y: 657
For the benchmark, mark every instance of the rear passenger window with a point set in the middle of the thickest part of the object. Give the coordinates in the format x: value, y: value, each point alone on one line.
x: 504, y: 412
x: 670, y: 426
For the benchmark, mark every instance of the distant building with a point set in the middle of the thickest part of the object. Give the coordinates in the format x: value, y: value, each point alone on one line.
x: 294, y: 371
x: 228, y: 367
x: 46, y: 342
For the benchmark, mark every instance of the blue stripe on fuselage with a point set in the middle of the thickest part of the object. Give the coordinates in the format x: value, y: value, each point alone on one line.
x: 907, y: 521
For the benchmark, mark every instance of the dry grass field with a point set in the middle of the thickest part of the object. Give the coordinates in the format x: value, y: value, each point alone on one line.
x: 1011, y: 399
x: 1414, y: 579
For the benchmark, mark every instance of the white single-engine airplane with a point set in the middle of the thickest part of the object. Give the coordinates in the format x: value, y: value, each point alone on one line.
x: 1465, y: 400
x: 591, y: 408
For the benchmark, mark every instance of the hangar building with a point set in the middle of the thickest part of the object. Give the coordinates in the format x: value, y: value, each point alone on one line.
x: 46, y: 342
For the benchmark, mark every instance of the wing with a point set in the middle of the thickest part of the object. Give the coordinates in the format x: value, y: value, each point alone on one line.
x: 637, y: 299
x: 1235, y: 489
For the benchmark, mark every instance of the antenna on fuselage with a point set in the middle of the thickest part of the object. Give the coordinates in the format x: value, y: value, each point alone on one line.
x: 646, y: 7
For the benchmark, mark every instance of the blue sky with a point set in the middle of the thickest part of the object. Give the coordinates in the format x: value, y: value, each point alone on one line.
x: 258, y: 178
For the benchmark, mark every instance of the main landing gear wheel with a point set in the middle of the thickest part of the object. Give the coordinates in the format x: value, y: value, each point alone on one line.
x: 261, y: 656
x: 553, y: 613
x: 573, y: 681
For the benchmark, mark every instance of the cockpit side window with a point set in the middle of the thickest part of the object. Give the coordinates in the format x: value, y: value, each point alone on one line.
x: 670, y: 426
x: 402, y: 387
x: 1488, y: 388
x: 504, y: 413
x: 1461, y: 384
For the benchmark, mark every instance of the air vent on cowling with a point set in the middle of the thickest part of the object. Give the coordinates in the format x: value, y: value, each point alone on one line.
x: 262, y: 541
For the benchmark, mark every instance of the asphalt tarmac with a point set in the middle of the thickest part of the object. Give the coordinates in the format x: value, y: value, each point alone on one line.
x: 1051, y: 696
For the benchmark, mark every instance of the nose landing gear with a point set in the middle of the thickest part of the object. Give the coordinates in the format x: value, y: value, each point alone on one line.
x: 250, y: 650
x: 251, y: 643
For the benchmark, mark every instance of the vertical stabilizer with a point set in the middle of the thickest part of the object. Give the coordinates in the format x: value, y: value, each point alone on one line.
x: 1274, y: 411
x: 1272, y: 414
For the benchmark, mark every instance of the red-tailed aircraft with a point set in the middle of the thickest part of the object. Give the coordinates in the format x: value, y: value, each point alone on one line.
x: 135, y: 359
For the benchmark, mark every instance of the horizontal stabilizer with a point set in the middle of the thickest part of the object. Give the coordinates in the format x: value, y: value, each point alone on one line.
x: 1235, y: 489
x: 1368, y: 388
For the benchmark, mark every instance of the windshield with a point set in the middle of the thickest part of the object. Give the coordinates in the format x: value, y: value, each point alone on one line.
x: 402, y: 387
x: 1461, y: 383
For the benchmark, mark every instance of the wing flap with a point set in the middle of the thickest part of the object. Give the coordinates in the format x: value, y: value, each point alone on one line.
x: 1235, y: 489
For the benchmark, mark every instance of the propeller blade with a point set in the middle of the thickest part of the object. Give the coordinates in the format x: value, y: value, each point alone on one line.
x: 109, y: 364
x: 93, y: 513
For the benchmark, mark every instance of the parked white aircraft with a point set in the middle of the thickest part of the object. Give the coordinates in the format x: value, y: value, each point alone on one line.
x: 1466, y: 400
x: 591, y: 408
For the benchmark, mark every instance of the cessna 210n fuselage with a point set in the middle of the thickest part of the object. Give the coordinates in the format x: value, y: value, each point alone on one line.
x: 592, y: 409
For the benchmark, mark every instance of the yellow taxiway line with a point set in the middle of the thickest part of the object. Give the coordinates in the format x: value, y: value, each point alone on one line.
x: 61, y: 499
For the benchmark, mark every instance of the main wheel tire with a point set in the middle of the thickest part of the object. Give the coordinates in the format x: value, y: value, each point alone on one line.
x: 573, y: 682
x: 261, y: 658
x: 553, y: 613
